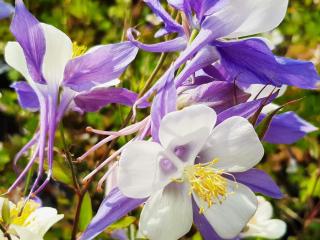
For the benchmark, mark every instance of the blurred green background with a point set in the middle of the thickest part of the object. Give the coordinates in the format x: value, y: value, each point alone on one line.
x: 89, y: 22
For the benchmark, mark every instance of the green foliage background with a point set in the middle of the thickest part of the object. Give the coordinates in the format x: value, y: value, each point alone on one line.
x: 91, y: 22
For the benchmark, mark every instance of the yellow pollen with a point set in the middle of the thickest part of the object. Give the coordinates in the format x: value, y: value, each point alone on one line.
x: 21, y: 212
x: 207, y: 182
x: 78, y: 50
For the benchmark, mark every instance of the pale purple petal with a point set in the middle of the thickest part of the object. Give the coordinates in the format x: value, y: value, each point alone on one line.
x: 287, y: 128
x: 164, y: 102
x: 29, y: 34
x: 203, y: 58
x: 112, y: 208
x: 251, y: 61
x: 258, y: 181
x: 170, y: 24
x: 217, y: 94
x: 5, y: 9
x: 96, y: 99
x: 26, y: 96
x: 174, y: 45
x: 104, y: 64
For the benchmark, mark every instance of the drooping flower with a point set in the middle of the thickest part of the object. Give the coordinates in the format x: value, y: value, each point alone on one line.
x: 61, y: 75
x: 28, y: 220
x: 194, y: 161
x: 262, y: 224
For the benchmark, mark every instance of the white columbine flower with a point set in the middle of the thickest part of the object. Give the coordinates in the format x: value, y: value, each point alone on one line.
x: 194, y: 160
x: 29, y: 221
x: 261, y: 224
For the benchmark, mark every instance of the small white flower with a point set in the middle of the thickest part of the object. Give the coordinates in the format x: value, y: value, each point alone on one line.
x: 194, y: 160
x: 30, y: 222
x: 261, y: 224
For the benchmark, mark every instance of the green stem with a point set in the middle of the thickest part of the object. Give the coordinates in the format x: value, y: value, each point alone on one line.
x: 69, y: 160
x: 28, y: 182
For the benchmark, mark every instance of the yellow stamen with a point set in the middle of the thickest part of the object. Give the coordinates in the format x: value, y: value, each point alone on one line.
x: 208, y: 183
x: 22, y: 211
x: 78, y: 50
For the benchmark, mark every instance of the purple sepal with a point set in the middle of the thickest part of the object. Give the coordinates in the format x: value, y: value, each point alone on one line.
x: 244, y: 110
x: 202, y: 224
x: 258, y: 181
x: 164, y: 102
x: 26, y: 96
x: 29, y: 34
x: 112, y: 208
x: 5, y: 9
x: 203, y: 58
x: 96, y: 99
x: 174, y: 45
x: 251, y: 61
x: 203, y: 7
x: 219, y: 95
x: 287, y: 128
x: 170, y: 24
x: 101, y: 65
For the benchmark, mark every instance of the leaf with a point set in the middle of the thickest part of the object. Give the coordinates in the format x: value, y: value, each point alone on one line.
x: 121, y: 224
x: 5, y: 212
x: 60, y: 174
x: 85, y: 212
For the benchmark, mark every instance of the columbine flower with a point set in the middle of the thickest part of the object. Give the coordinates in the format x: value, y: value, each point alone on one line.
x: 262, y: 224
x: 194, y: 162
x: 61, y: 75
x: 209, y: 34
x: 28, y: 220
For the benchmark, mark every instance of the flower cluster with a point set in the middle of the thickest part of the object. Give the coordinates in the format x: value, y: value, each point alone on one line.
x: 192, y: 159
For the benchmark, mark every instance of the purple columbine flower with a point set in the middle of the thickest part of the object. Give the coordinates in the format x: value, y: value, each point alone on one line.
x: 61, y: 75
x: 218, y: 25
x: 210, y: 174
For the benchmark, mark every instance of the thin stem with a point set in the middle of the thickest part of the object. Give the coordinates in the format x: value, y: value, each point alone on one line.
x: 69, y: 160
x: 28, y: 181
x: 4, y: 231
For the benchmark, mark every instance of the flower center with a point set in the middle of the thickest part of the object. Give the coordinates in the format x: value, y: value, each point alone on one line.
x: 207, y: 182
x: 21, y: 212
x: 78, y: 50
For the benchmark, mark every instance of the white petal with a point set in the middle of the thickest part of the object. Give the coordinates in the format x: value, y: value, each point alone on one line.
x: 270, y: 229
x: 188, y: 130
x: 232, y: 215
x: 265, y: 15
x: 263, y: 91
x: 106, y: 84
x: 139, y: 170
x: 167, y: 215
x: 269, y: 108
x: 24, y: 233
x: 15, y: 58
x: 186, y: 121
x: 264, y: 210
x: 42, y: 219
x: 58, y: 52
x: 235, y: 144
